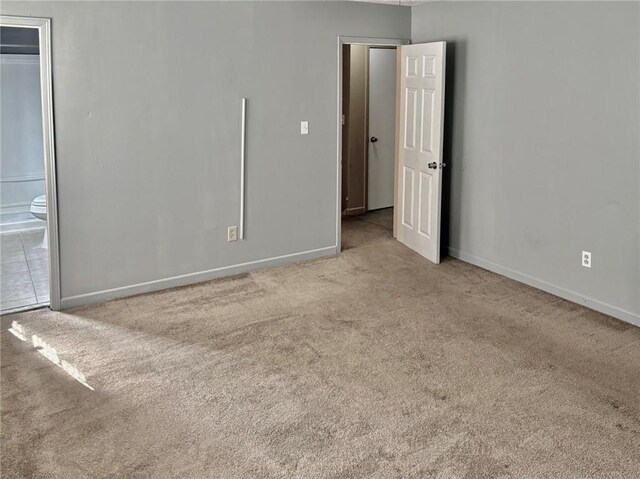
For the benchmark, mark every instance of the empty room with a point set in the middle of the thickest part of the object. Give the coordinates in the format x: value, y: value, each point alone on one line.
x: 316, y: 239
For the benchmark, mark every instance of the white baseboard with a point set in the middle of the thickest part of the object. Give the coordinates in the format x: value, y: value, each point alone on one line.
x: 581, y: 299
x: 185, y: 279
x: 16, y: 225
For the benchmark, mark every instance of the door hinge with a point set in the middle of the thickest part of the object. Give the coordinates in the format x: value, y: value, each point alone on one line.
x: 343, y: 119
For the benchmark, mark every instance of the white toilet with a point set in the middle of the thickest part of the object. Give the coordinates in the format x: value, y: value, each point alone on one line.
x: 39, y: 210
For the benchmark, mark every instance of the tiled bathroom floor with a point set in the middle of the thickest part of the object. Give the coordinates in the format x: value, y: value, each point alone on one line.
x: 24, y: 273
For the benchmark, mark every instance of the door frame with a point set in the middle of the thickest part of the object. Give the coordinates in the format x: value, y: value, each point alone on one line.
x: 43, y: 25
x: 348, y: 40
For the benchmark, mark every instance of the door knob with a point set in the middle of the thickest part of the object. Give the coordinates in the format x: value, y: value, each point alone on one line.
x: 373, y: 139
x: 433, y: 165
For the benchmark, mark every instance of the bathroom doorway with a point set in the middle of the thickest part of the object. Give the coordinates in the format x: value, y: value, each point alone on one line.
x: 28, y: 219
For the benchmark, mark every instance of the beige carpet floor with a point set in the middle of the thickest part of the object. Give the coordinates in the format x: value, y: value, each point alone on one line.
x: 372, y: 364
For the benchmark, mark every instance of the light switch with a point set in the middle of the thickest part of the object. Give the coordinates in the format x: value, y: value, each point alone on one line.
x: 304, y: 127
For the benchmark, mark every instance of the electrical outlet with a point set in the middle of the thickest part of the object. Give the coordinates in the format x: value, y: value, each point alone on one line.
x: 304, y: 127
x: 232, y: 233
x: 586, y: 259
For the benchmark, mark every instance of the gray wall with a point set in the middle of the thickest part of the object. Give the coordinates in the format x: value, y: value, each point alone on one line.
x: 147, y: 121
x: 543, y: 137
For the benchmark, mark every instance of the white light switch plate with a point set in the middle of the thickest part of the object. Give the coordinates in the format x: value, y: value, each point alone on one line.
x: 304, y: 127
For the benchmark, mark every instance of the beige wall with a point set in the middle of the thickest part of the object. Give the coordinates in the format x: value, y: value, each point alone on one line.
x: 355, y: 133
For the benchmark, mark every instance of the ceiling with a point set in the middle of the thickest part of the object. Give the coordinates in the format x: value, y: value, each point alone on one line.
x: 404, y: 3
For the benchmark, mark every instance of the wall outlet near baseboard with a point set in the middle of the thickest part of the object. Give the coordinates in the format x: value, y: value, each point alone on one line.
x: 586, y: 259
x: 232, y: 233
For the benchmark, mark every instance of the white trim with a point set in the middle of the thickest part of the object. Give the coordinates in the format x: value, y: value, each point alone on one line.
x: 18, y: 227
x: 22, y: 207
x: 191, y: 278
x: 342, y: 40
x: 21, y: 179
x: 30, y: 307
x: 43, y: 25
x: 243, y: 137
x: 19, y: 59
x: 567, y: 294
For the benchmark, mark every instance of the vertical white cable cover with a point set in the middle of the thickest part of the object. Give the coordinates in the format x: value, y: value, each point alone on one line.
x: 242, y: 157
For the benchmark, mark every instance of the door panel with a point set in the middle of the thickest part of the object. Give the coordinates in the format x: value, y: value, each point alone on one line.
x: 410, y: 118
x: 382, y: 127
x: 426, y: 137
x: 421, y: 83
x: 407, y: 211
x: 412, y: 66
x: 426, y: 198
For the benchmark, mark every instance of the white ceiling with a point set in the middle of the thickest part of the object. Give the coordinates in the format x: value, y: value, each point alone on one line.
x: 404, y: 3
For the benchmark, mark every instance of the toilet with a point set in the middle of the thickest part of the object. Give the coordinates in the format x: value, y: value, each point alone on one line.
x: 39, y: 210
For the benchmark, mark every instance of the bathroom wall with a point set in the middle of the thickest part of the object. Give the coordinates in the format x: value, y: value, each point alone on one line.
x: 542, y: 132
x: 147, y: 122
x: 21, y: 152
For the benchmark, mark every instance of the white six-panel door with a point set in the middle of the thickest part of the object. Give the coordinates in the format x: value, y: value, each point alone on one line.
x: 419, y: 173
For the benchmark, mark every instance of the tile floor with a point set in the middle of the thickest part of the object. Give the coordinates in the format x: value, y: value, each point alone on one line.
x: 24, y: 272
x: 12, y: 222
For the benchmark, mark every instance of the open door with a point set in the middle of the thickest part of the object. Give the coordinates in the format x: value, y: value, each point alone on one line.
x: 419, y: 172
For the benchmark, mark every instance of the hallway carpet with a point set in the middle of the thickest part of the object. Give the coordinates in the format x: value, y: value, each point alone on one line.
x: 374, y: 363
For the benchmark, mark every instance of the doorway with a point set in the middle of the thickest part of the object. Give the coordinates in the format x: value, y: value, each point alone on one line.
x: 369, y: 110
x: 368, y: 71
x: 29, y: 263
x: 416, y: 175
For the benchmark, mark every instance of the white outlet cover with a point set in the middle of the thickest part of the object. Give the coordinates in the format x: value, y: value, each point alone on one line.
x: 304, y: 127
x: 232, y: 233
x: 586, y: 259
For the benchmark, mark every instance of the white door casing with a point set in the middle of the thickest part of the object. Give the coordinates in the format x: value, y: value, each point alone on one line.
x: 382, y: 127
x: 419, y: 172
x: 43, y: 25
